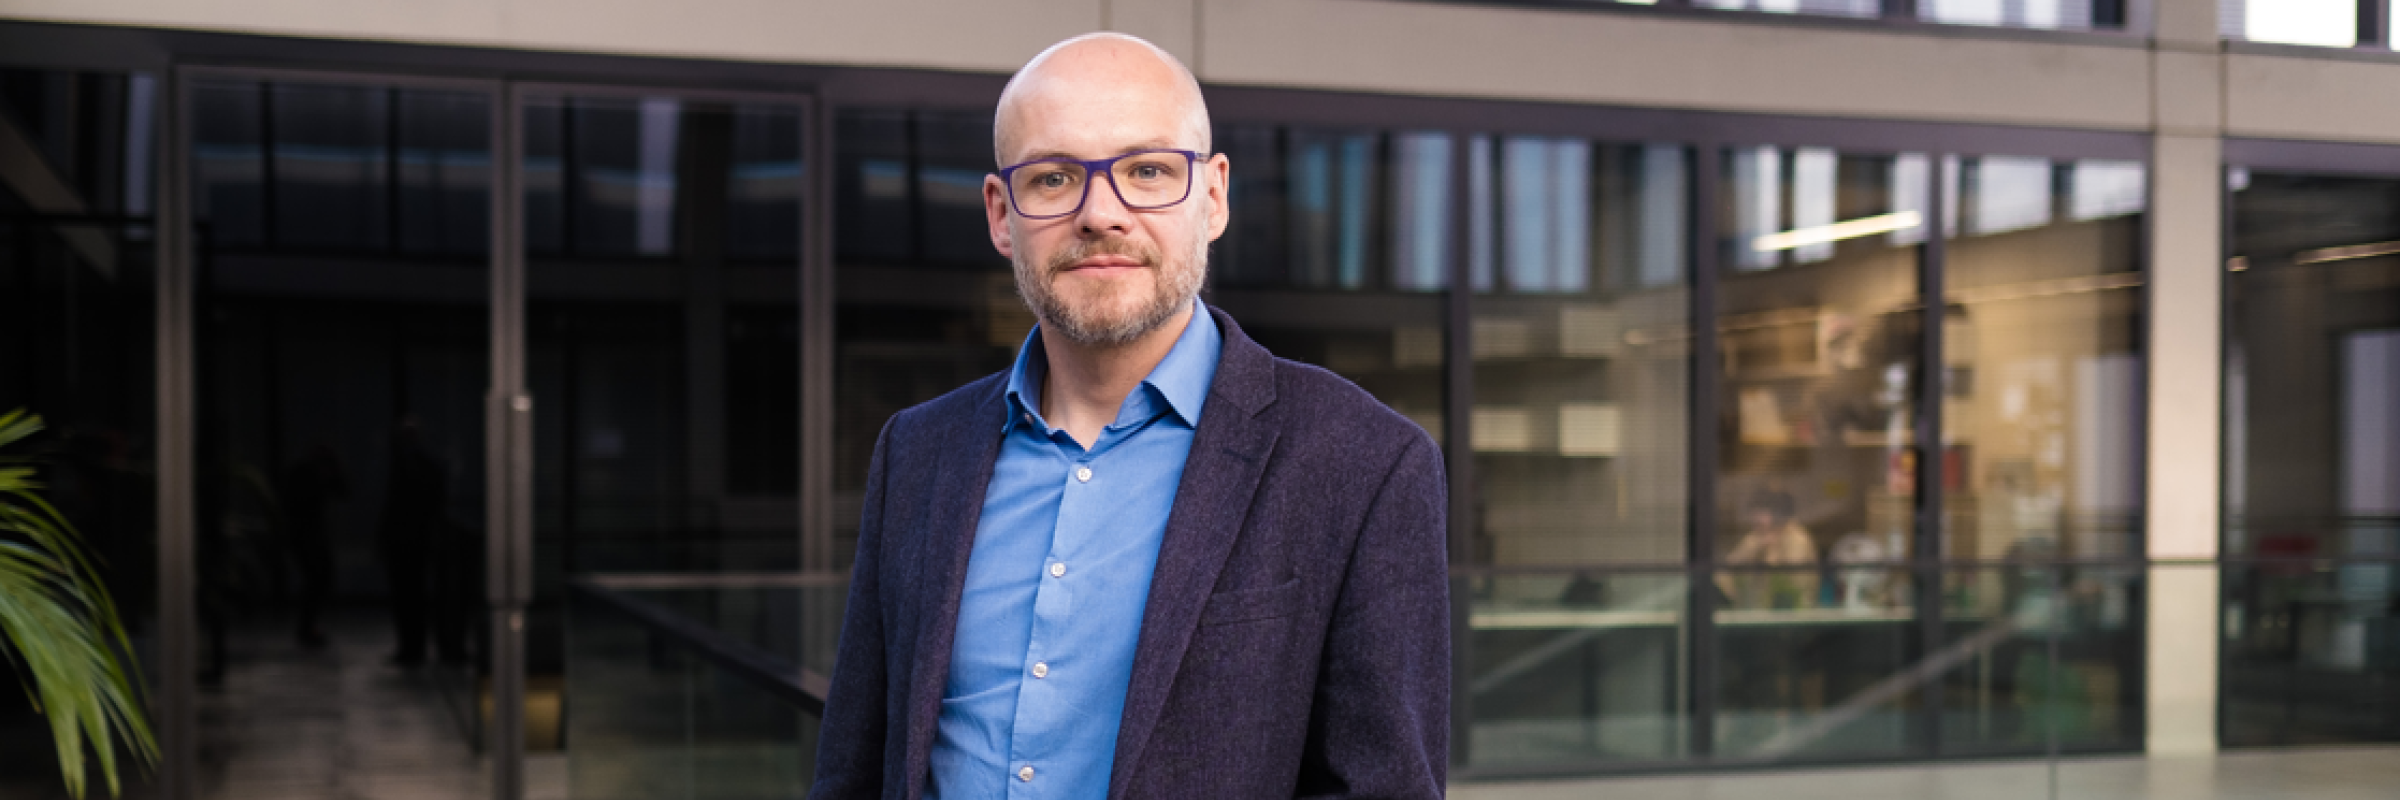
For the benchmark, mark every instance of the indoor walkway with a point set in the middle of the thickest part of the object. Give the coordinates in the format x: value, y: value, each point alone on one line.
x: 2365, y: 773
x: 339, y: 723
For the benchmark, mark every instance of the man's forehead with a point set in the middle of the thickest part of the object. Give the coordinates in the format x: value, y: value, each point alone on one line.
x: 1104, y: 91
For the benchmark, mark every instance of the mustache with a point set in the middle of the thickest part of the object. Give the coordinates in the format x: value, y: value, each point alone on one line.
x: 1066, y: 258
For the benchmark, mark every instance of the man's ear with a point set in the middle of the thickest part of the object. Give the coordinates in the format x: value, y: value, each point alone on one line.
x: 1220, y: 172
x: 995, y: 216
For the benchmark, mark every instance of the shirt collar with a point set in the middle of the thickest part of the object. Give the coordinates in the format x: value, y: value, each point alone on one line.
x: 1181, y: 379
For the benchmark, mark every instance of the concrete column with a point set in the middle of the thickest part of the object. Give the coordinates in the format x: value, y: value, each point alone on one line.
x: 2186, y: 381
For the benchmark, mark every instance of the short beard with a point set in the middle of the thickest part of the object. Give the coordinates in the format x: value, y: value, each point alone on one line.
x: 1176, y: 286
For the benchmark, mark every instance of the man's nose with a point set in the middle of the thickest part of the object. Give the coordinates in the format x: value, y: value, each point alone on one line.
x: 1103, y: 212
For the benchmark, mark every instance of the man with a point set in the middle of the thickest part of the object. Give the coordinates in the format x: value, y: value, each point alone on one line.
x: 1150, y: 560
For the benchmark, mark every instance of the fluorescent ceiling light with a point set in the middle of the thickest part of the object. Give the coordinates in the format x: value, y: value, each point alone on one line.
x: 1849, y: 229
x: 2346, y: 253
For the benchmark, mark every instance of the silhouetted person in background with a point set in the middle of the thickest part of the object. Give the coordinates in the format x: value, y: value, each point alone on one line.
x: 308, y: 487
x: 415, y: 536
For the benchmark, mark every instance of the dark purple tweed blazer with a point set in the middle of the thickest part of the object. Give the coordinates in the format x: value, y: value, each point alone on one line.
x: 1297, y: 637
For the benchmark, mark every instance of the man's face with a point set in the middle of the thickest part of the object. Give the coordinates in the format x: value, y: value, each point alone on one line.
x: 1106, y: 274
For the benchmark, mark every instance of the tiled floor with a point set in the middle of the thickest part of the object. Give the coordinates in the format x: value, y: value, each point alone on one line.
x: 339, y: 723
x: 2305, y: 774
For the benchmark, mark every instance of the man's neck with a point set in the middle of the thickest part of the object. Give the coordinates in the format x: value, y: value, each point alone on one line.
x: 1084, y: 385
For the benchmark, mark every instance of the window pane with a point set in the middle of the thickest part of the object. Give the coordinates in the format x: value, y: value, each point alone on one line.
x: 2042, y: 361
x: 2329, y: 23
x: 1575, y: 668
x: 2041, y: 14
x: 1582, y: 351
x: 229, y: 160
x: 762, y: 212
x: 1818, y: 325
x: 1830, y: 8
x: 445, y: 173
x: 621, y: 159
x: 2046, y: 654
x: 1336, y: 238
x: 2312, y: 461
x: 331, y: 167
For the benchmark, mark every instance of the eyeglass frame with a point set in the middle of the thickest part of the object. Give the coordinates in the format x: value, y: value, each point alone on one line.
x: 1103, y: 166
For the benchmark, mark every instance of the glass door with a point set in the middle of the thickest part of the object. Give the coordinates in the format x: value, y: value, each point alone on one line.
x: 341, y: 268
x: 660, y: 247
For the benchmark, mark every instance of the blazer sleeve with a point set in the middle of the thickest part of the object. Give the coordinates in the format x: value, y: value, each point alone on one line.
x: 850, y: 751
x: 1380, y: 725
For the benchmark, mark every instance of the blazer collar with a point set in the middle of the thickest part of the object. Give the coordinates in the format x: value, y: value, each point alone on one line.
x: 1229, y: 454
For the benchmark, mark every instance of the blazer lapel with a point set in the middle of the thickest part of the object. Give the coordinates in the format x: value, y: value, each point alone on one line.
x: 940, y: 568
x: 1229, y: 453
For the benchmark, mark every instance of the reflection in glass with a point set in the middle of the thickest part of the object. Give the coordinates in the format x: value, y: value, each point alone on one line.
x: 2041, y: 654
x: 339, y: 407
x: 2312, y: 461
x: 1818, y: 329
x: 600, y: 175
x: 2042, y: 360
x: 908, y: 188
x: 1575, y: 668
x: 2039, y: 14
x: 2326, y: 23
x: 1581, y: 354
x: 1831, y: 8
x: 925, y: 304
x: 1335, y: 242
x: 1814, y: 680
x: 329, y: 166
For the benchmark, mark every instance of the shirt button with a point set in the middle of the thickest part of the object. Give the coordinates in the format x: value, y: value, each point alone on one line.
x: 1041, y: 669
x: 1025, y: 774
x: 1058, y: 569
x: 1083, y: 474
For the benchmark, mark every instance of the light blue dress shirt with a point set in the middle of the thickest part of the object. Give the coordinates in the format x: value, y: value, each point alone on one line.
x: 1057, y: 582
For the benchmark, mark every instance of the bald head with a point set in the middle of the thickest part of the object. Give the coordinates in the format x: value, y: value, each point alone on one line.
x: 1097, y: 69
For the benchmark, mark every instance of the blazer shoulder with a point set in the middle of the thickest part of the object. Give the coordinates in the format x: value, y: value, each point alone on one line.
x: 952, y: 407
x: 1321, y: 402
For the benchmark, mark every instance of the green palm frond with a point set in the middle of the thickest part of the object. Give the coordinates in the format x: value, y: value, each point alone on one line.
x: 63, y: 630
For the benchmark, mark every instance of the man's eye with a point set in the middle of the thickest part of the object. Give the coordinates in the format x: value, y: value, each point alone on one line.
x: 1149, y: 172
x: 1053, y: 180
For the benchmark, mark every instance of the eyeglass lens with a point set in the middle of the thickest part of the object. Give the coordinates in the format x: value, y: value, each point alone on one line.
x: 1142, y: 180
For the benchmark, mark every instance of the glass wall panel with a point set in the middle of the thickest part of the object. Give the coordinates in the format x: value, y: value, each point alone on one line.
x: 1831, y: 8
x: 1820, y: 355
x: 1582, y: 350
x: 2041, y: 337
x: 2325, y: 23
x: 1575, y: 669
x: 662, y: 339
x: 924, y: 303
x: 77, y: 300
x: 2074, y: 15
x: 342, y: 352
x: 1817, y: 318
x: 1800, y: 680
x: 2312, y: 460
x: 2041, y: 654
x: 1337, y: 251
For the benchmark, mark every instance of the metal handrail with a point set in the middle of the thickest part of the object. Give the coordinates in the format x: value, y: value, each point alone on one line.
x: 768, y: 671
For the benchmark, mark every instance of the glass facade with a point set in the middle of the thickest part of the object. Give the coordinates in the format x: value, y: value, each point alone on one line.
x: 2311, y: 625
x: 1820, y: 449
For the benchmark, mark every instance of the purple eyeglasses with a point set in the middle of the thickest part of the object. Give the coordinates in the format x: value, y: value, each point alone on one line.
x: 1049, y: 188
